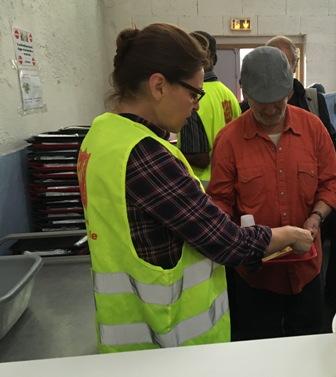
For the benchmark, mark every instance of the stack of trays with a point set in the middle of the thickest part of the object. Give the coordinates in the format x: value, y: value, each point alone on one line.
x: 53, y: 185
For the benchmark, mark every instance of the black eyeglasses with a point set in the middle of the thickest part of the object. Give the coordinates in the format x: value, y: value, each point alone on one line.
x: 197, y: 93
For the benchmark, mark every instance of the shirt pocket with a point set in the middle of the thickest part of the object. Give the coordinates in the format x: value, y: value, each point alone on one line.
x: 308, y: 181
x: 250, y: 186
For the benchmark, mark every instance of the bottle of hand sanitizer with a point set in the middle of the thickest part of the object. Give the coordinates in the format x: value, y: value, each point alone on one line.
x: 247, y: 220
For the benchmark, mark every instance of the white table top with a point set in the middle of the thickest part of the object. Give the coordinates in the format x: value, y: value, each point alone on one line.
x: 308, y: 356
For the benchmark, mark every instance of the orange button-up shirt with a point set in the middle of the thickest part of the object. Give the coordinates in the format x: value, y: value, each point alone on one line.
x: 278, y: 184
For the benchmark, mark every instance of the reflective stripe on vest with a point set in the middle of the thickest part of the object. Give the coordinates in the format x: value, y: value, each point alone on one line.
x: 109, y: 283
x: 186, y: 330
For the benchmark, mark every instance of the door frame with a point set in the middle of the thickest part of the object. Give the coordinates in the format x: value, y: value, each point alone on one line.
x: 229, y: 43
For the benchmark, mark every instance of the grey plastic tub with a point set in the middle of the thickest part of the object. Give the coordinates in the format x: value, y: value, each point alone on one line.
x: 17, y: 277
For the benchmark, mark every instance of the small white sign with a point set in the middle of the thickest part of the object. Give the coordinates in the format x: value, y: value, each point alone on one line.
x: 31, y: 89
x: 24, y: 50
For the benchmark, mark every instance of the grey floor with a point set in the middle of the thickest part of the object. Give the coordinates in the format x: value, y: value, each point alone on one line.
x: 60, y: 318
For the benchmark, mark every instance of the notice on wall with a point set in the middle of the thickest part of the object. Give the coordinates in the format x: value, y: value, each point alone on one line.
x: 28, y: 73
x: 23, y: 45
x: 31, y: 89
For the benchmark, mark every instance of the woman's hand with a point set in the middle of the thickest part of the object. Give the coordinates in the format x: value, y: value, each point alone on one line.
x: 303, y: 240
x: 297, y: 238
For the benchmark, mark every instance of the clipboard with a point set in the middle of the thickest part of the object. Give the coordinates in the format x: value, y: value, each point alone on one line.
x: 287, y: 256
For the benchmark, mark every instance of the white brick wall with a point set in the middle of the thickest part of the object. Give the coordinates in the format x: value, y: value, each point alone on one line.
x: 264, y: 7
x: 277, y: 25
x: 142, y: 21
x: 212, y: 24
x: 124, y: 7
x: 322, y: 50
x: 332, y: 7
x: 316, y: 19
x: 174, y: 7
x: 318, y: 26
x: 307, y: 7
x: 220, y: 7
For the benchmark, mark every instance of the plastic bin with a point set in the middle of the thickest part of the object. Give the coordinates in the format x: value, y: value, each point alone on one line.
x: 55, y: 243
x: 17, y: 277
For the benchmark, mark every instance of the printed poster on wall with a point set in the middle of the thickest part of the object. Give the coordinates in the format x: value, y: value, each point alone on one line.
x: 28, y: 73
x: 31, y: 89
x: 23, y: 45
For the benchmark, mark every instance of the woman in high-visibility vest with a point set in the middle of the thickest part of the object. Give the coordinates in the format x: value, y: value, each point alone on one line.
x: 157, y: 242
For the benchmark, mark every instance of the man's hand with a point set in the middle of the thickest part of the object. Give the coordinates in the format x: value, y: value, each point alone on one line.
x: 313, y: 224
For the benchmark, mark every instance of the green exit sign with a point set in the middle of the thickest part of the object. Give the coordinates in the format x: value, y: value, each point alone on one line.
x: 241, y: 24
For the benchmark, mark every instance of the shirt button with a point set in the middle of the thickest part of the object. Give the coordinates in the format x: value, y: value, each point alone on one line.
x: 282, y: 193
x: 280, y: 148
x: 280, y: 171
x: 285, y: 214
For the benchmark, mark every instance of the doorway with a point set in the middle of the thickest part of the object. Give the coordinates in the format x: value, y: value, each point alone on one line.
x: 228, y: 68
x: 231, y: 52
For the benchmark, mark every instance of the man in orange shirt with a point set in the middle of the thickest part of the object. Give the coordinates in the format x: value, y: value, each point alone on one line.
x: 276, y: 162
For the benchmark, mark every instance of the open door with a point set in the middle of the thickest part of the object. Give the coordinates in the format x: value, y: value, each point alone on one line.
x: 228, y: 69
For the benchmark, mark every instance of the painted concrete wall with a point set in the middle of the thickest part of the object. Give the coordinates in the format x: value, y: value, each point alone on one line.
x: 14, y: 202
x: 316, y: 19
x: 69, y: 47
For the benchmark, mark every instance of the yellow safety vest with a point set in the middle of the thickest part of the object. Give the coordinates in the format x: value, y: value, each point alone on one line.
x: 139, y: 305
x: 217, y: 108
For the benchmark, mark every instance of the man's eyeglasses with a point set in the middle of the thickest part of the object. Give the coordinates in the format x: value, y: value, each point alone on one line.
x: 197, y: 93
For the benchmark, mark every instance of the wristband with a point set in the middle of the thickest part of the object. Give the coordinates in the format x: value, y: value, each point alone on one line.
x: 319, y: 214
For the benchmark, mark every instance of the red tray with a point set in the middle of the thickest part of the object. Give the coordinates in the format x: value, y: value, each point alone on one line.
x: 292, y: 257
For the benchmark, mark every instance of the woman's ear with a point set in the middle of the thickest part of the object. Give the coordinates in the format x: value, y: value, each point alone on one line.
x: 157, y: 84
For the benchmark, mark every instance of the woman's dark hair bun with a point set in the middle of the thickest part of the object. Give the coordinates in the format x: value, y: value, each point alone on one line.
x: 157, y: 48
x: 124, y: 42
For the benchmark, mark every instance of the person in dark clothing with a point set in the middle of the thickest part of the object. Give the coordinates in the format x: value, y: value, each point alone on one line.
x: 300, y: 99
x: 318, y: 87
